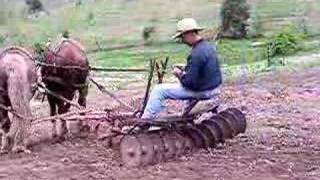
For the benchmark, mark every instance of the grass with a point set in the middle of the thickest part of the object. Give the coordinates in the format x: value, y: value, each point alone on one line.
x: 112, y: 22
x: 231, y: 52
x: 140, y: 56
x: 277, y: 8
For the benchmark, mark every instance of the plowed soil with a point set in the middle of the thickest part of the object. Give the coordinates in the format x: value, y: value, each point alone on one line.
x: 282, y: 140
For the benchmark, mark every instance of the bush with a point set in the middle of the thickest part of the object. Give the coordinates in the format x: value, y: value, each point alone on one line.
x: 283, y: 44
x: 2, y: 39
x: 66, y: 33
x: 148, y: 32
x: 91, y: 18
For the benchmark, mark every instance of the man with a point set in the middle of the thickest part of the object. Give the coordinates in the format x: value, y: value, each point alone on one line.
x: 200, y: 78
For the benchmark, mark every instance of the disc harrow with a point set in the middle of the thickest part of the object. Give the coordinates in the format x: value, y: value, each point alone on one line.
x: 151, y: 147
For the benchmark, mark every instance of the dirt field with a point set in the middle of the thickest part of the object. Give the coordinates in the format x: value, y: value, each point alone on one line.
x: 282, y: 141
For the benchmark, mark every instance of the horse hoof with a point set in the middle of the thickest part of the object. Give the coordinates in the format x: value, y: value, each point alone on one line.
x: 3, y: 152
x: 18, y: 149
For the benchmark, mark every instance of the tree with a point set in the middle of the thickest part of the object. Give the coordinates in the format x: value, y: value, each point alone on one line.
x: 34, y: 6
x: 234, y: 15
x: 148, y: 32
x: 78, y: 2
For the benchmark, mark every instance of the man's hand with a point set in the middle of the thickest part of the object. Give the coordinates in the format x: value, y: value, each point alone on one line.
x: 180, y: 66
x: 177, y: 72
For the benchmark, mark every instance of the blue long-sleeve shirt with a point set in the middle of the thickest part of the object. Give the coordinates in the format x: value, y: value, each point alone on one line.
x: 202, y: 71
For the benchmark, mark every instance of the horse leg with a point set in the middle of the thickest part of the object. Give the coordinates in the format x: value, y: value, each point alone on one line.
x: 5, y: 124
x: 53, y: 111
x: 64, y: 107
x: 17, y: 134
x: 4, y: 117
x: 5, y: 127
x: 52, y: 103
x: 83, y: 93
x: 72, y: 127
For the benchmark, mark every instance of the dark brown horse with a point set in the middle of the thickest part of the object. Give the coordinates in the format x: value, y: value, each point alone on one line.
x: 17, y: 85
x: 65, y: 72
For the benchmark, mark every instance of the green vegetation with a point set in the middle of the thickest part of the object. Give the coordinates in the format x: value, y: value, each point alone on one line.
x: 276, y: 8
x: 232, y: 51
x: 139, y: 56
x: 108, y: 23
x: 283, y: 44
x: 2, y: 39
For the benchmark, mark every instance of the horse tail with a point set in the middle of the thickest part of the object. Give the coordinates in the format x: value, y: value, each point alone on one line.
x: 19, y: 92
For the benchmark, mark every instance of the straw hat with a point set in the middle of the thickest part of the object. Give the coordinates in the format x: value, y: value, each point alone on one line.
x: 185, y: 25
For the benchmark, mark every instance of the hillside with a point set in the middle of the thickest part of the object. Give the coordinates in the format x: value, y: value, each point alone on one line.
x: 111, y: 22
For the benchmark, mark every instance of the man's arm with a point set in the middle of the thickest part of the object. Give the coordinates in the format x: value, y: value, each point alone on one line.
x: 191, y: 77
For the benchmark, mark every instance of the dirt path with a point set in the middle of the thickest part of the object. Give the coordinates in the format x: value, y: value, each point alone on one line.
x: 282, y: 141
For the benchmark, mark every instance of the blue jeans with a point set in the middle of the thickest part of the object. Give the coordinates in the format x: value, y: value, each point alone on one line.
x: 162, y: 92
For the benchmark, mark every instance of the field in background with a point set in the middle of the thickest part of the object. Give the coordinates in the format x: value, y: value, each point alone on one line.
x: 112, y: 22
x: 282, y: 107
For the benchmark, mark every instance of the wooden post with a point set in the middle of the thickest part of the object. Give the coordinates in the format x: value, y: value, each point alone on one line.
x: 164, y: 65
x: 161, y: 70
x: 158, y: 72
x: 146, y: 96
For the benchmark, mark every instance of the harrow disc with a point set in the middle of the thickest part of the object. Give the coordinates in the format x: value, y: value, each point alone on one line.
x: 130, y: 151
x: 195, y: 137
x: 215, y: 130
x: 241, y: 118
x: 223, y: 124
x: 205, y: 140
x: 188, y: 146
x: 179, y: 142
x: 158, y: 147
x: 189, y: 142
x: 210, y: 137
x: 147, y: 152
x: 169, y: 146
x: 231, y: 127
x: 162, y: 145
x: 233, y: 120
